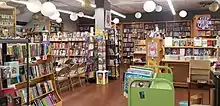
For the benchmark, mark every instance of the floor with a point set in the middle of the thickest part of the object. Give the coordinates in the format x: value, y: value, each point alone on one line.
x: 111, y: 95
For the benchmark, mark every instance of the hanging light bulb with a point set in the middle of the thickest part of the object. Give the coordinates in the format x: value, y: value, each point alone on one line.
x: 73, y: 16
x: 48, y: 9
x: 159, y: 8
x: 149, y: 6
x: 183, y: 13
x: 59, y: 20
x: 34, y: 6
x: 214, y: 7
x: 80, y: 14
x: 55, y: 15
x: 116, y: 20
x: 138, y: 15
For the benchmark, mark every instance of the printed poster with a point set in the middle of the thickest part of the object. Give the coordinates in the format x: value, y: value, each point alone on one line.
x: 152, y: 49
x: 107, y: 19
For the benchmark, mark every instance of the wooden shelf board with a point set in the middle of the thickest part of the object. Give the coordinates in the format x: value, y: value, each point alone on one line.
x: 180, y: 47
x: 180, y: 84
x: 33, y: 81
x: 39, y: 97
x: 144, y: 53
x: 178, y: 61
x: 140, y: 45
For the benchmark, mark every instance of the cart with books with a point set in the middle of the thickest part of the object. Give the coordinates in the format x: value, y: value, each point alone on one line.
x: 156, y: 90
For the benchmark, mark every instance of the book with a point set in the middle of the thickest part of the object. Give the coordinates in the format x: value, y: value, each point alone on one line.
x: 14, y: 65
x: 168, y: 41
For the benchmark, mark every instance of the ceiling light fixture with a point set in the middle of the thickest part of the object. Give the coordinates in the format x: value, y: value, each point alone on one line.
x: 149, y: 6
x: 214, y: 7
x: 73, y: 16
x: 48, y: 9
x: 34, y: 6
x: 115, y: 21
x: 183, y: 13
x: 138, y: 15
x: 59, y: 20
x: 171, y: 7
x: 159, y: 8
x: 70, y: 12
x: 19, y: 2
x: 117, y: 13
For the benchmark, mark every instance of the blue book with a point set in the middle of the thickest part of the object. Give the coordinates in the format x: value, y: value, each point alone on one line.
x: 129, y: 76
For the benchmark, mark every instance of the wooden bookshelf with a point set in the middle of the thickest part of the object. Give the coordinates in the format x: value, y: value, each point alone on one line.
x: 43, y: 78
x: 8, y: 21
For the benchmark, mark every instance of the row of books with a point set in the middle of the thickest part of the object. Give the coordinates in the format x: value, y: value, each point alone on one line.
x: 40, y: 70
x: 35, y: 49
x: 69, y: 36
x: 49, y: 100
x: 169, y: 42
x: 60, y: 52
x: 189, y: 52
x: 35, y: 91
x: 59, y: 45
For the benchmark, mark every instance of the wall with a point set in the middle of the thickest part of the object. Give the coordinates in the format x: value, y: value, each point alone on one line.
x: 69, y: 25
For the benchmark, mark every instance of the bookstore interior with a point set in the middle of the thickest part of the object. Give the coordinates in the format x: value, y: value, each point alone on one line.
x: 50, y: 49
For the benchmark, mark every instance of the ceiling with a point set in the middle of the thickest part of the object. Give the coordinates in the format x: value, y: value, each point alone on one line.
x: 122, y: 6
x: 132, y: 6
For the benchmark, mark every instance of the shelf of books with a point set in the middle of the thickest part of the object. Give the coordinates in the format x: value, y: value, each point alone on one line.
x: 8, y: 21
x: 112, y: 49
x: 178, y: 40
x: 39, y: 76
x: 69, y: 45
x: 128, y: 43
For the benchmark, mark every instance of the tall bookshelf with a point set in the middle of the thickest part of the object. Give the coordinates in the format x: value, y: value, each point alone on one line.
x: 112, y: 55
x: 70, y: 45
x: 128, y: 43
x: 34, y: 78
x: 8, y: 22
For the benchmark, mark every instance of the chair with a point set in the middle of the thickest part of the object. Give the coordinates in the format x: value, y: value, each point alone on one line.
x: 74, y: 75
x: 82, y: 70
x: 62, y: 76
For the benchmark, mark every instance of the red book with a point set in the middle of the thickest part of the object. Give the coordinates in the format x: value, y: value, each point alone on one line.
x: 209, y: 42
x: 10, y: 93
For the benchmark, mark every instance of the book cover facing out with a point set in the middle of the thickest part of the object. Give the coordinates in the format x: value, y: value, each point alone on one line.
x: 129, y: 76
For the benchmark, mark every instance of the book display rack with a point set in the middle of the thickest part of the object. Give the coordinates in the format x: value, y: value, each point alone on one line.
x: 27, y: 68
x: 7, y: 22
x: 112, y: 53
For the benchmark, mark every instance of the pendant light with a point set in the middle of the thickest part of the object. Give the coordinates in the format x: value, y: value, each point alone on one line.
x: 149, y: 6
x: 115, y: 20
x: 159, y: 8
x: 33, y: 6
x: 55, y: 16
x: 214, y: 7
x: 183, y: 13
x: 48, y: 9
x: 59, y: 20
x: 73, y: 16
x: 138, y: 15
